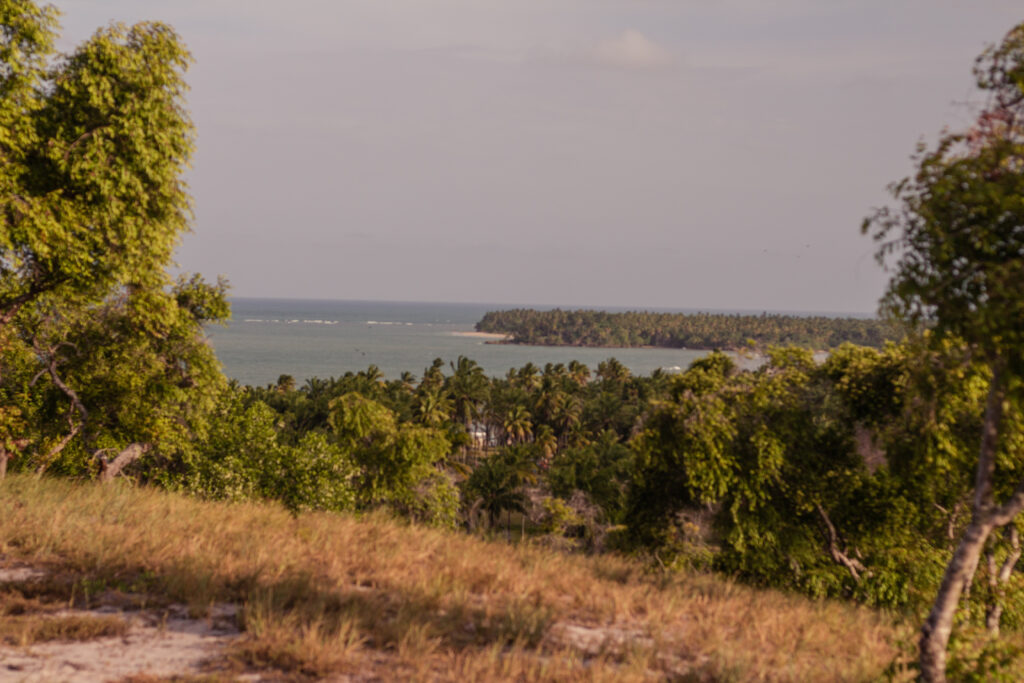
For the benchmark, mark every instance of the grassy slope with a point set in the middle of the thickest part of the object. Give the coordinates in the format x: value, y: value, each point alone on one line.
x: 326, y: 594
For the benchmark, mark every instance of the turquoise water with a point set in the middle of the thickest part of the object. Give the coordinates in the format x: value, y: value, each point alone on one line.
x: 304, y: 338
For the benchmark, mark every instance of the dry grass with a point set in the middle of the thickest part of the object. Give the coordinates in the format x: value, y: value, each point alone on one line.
x: 38, y: 618
x: 326, y: 594
x: 30, y: 629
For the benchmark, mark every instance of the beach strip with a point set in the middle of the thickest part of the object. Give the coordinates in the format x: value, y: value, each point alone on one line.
x: 483, y: 335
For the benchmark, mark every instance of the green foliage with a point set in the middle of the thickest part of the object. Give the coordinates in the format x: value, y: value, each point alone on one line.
x: 955, y: 239
x: 980, y: 658
x: 100, y: 349
x: 242, y: 458
x: 818, y: 477
x: 974, y: 656
x: 496, y: 485
x: 682, y: 454
x: 603, y: 469
x: 558, y: 516
x: 94, y: 148
x: 398, y: 463
x: 240, y: 446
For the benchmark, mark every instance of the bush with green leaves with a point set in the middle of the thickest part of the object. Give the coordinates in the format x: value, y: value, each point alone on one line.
x: 399, y: 465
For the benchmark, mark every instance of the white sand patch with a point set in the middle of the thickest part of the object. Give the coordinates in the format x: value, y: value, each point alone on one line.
x: 483, y: 335
x: 158, y: 643
x: 595, y: 640
x: 20, y: 574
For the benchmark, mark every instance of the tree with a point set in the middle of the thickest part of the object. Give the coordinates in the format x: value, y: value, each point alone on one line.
x: 118, y: 373
x: 93, y: 147
x: 497, y: 483
x: 468, y: 389
x: 517, y: 425
x: 957, y: 240
x: 398, y: 463
x: 99, y: 351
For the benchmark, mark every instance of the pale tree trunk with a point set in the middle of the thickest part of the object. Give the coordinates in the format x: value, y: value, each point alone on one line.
x: 985, y: 516
x: 997, y: 579
x: 111, y: 468
x: 937, y: 629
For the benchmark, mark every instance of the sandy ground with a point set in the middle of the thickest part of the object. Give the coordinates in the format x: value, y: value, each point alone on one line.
x: 166, y: 642
x: 160, y: 643
x: 482, y: 335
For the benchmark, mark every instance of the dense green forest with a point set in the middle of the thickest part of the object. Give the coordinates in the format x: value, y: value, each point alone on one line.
x: 684, y: 330
x: 884, y: 475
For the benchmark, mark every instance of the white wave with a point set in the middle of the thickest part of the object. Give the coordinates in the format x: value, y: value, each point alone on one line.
x: 291, y: 322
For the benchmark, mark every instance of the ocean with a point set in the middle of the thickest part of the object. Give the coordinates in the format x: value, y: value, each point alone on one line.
x: 266, y: 338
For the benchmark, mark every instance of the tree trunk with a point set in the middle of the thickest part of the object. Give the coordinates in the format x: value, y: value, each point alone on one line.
x: 998, y: 578
x: 110, y: 469
x: 984, y: 516
x: 4, y: 457
x: 937, y: 629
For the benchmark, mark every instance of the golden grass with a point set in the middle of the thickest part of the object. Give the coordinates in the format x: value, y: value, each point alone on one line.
x: 30, y: 629
x: 326, y: 594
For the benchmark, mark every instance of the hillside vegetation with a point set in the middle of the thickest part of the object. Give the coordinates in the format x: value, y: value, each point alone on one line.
x: 324, y: 594
x: 888, y: 476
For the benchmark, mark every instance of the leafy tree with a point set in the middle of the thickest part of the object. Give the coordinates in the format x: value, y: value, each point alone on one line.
x: 242, y: 456
x: 118, y: 373
x: 517, y: 425
x: 497, y: 483
x: 398, y: 463
x: 602, y: 469
x: 683, y: 455
x: 432, y: 406
x: 957, y: 242
x: 93, y: 147
x: 100, y: 353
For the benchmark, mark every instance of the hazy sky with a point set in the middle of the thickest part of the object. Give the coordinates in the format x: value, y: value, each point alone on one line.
x: 674, y: 153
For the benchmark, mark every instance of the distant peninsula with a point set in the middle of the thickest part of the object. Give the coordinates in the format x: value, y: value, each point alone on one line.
x: 728, y: 332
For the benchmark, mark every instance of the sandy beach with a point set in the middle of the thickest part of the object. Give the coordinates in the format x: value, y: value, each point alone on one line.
x: 483, y: 335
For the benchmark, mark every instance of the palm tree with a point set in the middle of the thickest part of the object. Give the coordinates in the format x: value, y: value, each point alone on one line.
x: 546, y: 443
x: 612, y: 370
x: 432, y: 376
x: 570, y: 412
x: 407, y: 379
x: 579, y: 372
x: 518, y: 425
x: 549, y: 400
x: 432, y: 406
x: 468, y: 387
x: 528, y: 377
x: 497, y: 485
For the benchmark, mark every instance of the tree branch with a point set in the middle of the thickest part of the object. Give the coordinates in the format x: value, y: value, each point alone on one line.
x: 68, y: 391
x: 852, y: 564
x: 110, y: 469
x: 55, y: 451
x: 997, y: 580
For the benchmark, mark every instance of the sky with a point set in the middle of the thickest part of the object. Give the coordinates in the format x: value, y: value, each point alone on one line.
x: 709, y: 154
